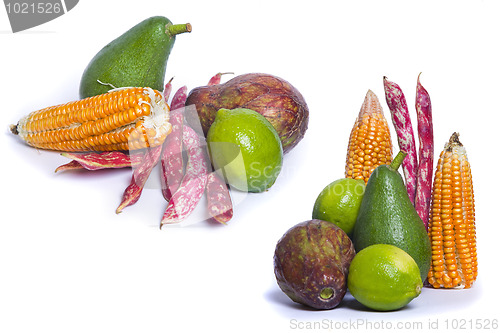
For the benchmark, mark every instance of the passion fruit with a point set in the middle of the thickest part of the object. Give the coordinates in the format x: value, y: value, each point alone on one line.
x: 311, y: 263
x: 274, y: 98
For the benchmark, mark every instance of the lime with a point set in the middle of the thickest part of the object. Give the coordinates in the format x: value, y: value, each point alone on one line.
x: 339, y: 203
x: 383, y: 277
x: 245, y: 148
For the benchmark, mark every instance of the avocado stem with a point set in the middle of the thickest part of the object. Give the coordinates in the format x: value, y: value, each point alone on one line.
x: 176, y: 29
x: 396, y: 162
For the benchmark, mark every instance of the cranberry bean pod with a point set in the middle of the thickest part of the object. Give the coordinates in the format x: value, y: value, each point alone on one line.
x: 426, y: 152
x: 192, y: 187
x: 401, y: 119
x: 140, y: 176
x: 220, y: 206
x: 217, y: 78
x: 73, y: 165
x: 97, y: 161
x: 167, y: 90
x: 172, y: 164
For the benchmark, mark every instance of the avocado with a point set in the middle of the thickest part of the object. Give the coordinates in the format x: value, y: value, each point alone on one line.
x: 387, y: 216
x: 138, y: 58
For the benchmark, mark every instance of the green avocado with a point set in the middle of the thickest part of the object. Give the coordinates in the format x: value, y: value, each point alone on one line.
x: 138, y: 58
x: 387, y: 216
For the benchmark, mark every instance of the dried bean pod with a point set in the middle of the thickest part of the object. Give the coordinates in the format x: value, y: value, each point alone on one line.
x: 220, y: 206
x: 189, y: 193
x: 401, y: 119
x: 105, y: 160
x: 167, y: 90
x: 172, y: 164
x: 426, y: 152
x: 141, y: 174
x: 179, y: 99
x: 73, y: 165
x: 216, y: 78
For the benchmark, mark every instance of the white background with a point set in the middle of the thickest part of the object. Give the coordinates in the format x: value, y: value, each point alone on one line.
x: 68, y: 263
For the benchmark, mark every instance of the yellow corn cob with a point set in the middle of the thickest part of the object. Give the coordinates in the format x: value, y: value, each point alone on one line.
x: 370, y: 140
x: 122, y: 119
x: 452, y: 228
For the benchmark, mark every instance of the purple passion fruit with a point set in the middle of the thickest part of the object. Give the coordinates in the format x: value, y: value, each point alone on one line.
x: 311, y: 263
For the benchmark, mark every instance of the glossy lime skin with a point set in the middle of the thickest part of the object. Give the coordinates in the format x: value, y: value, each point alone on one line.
x: 138, y: 58
x: 383, y: 277
x: 339, y: 203
x: 246, y: 149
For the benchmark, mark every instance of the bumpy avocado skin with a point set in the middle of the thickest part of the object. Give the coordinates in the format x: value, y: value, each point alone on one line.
x: 138, y: 58
x: 387, y: 216
x: 311, y: 256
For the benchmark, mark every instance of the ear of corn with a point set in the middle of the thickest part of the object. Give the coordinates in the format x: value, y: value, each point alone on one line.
x: 452, y: 220
x: 122, y: 119
x: 369, y: 142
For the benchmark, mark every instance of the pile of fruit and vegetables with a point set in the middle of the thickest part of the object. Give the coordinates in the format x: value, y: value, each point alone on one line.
x: 378, y: 234
x: 124, y: 119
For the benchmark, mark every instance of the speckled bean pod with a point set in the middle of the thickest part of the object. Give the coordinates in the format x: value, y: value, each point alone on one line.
x: 426, y: 152
x: 402, y: 123
x: 172, y: 164
x: 220, y: 206
x: 97, y: 161
x: 192, y: 187
x: 141, y: 173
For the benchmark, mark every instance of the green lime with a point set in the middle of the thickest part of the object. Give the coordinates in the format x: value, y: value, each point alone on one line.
x: 383, y: 277
x: 245, y: 148
x: 339, y: 203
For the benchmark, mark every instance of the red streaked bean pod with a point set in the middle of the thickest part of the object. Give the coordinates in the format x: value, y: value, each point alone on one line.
x: 426, y: 152
x: 216, y: 78
x: 192, y: 187
x: 402, y: 123
x: 140, y: 176
x: 73, y: 165
x: 220, y: 206
x: 179, y: 99
x: 167, y: 90
x: 172, y: 164
x: 97, y: 161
